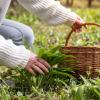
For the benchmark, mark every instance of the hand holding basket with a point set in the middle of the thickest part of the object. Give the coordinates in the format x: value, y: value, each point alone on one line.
x: 87, y: 59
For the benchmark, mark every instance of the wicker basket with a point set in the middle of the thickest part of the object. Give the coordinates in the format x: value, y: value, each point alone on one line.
x: 85, y: 59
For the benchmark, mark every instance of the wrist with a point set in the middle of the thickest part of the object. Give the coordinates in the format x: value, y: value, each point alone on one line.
x: 31, y: 58
x: 72, y: 18
x: 26, y: 56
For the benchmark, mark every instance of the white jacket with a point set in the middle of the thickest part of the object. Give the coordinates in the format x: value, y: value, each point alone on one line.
x: 49, y: 11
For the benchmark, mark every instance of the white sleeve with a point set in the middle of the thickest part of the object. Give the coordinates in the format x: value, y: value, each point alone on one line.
x: 12, y: 55
x: 50, y: 11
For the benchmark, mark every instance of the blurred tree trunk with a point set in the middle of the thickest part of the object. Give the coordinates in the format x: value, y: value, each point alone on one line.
x: 13, y: 11
x: 13, y: 3
x: 69, y: 2
x: 90, y: 3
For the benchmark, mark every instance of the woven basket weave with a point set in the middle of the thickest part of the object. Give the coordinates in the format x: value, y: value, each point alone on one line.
x: 86, y: 59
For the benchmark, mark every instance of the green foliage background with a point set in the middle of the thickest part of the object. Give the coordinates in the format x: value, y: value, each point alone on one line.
x: 59, y: 84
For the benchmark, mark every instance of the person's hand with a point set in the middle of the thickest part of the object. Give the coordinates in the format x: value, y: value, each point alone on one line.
x: 77, y: 26
x: 37, y: 65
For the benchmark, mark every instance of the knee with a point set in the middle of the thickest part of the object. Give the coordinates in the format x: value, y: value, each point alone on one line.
x: 23, y: 29
x: 28, y: 34
x: 12, y: 33
x: 25, y: 33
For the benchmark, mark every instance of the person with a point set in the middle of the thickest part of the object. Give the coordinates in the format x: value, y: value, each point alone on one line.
x: 12, y: 50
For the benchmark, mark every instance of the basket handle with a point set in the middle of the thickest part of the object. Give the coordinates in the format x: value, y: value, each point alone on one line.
x: 69, y: 35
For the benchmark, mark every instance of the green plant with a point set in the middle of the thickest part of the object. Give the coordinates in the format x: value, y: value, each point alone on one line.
x: 59, y: 84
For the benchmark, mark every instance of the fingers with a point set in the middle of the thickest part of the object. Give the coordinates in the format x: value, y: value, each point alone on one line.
x: 41, y: 66
x: 37, y: 69
x: 80, y: 20
x: 77, y: 26
x: 34, y: 69
x: 37, y: 65
x: 43, y: 62
x: 78, y: 30
x: 30, y: 70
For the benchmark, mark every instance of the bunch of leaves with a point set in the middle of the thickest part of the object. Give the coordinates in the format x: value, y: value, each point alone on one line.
x: 53, y: 55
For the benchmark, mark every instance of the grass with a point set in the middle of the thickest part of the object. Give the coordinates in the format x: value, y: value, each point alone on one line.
x: 59, y: 84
